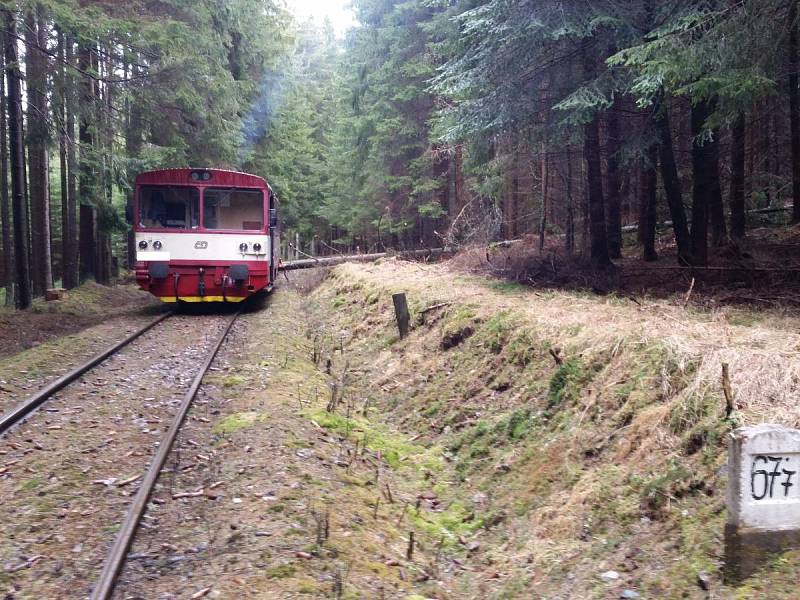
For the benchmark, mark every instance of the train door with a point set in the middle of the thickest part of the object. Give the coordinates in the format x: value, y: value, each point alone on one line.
x: 274, y: 237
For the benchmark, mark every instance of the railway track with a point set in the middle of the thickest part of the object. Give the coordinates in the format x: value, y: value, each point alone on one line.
x: 116, y: 559
x: 104, y: 586
x: 28, y: 406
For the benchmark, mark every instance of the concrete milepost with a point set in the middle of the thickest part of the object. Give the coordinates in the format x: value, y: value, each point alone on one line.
x: 763, y: 497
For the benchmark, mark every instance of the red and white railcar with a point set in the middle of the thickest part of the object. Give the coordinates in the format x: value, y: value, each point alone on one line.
x: 204, y: 235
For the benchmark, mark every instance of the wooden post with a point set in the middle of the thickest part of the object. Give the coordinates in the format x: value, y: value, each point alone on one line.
x: 727, y: 390
x: 401, y: 313
x: 410, y: 549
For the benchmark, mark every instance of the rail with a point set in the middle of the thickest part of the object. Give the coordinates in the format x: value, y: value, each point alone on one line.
x: 116, y: 557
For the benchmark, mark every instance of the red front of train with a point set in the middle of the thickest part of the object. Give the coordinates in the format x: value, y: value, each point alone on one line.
x: 204, y: 235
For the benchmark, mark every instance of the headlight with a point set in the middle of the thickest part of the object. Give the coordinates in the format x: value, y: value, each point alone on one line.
x: 157, y: 245
x: 242, y: 247
x: 142, y: 245
x: 257, y: 247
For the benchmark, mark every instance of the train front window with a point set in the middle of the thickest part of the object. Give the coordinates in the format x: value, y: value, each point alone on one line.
x: 163, y: 207
x: 233, y: 209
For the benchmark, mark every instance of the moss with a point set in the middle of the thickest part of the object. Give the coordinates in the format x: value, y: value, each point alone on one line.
x: 237, y: 421
x: 393, y: 448
x: 389, y: 340
x: 459, y: 325
x: 338, y: 302
x: 521, y: 350
x: 432, y: 409
x: 613, y: 501
x: 469, y: 436
x: 565, y: 383
x: 496, y: 332
x: 518, y: 424
x: 280, y: 572
x: 656, y: 490
x: 31, y: 484
x: 232, y: 381
x: 446, y: 524
x: 559, y: 466
x: 506, y: 287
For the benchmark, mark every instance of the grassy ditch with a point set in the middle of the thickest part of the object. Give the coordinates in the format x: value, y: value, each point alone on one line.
x: 574, y: 439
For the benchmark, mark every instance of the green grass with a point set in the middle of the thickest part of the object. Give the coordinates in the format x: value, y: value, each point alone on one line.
x: 506, y: 287
x: 566, y: 383
x: 280, y: 572
x: 496, y: 331
x: 31, y: 484
x: 447, y: 524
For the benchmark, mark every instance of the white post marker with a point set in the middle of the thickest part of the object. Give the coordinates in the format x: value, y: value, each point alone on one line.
x: 763, y: 496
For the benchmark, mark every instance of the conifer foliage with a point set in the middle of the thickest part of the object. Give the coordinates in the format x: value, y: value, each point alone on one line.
x: 95, y: 92
x: 429, y: 121
x: 571, y: 118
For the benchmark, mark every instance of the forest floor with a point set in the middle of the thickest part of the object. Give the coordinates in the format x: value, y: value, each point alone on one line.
x: 83, y: 307
x: 762, y: 270
x: 537, y: 443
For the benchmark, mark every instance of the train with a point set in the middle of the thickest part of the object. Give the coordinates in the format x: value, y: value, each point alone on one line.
x: 204, y: 235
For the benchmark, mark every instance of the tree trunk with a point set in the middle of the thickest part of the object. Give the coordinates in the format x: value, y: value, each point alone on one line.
x: 104, y: 227
x: 5, y: 206
x: 458, y: 177
x: 648, y: 201
x: 543, y: 216
x: 594, y: 179
x: 614, y: 216
x: 38, y: 136
x: 71, y: 274
x: 17, y: 159
x: 598, y: 252
x: 737, y: 177
x: 719, y: 231
x: 569, y: 238
x: 61, y: 112
x: 87, y: 237
x: 87, y: 158
x: 672, y: 184
x: 701, y: 185
x: 511, y: 191
x: 794, y: 109
x: 133, y: 147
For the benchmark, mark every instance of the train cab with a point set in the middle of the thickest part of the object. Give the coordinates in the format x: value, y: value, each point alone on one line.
x: 204, y: 235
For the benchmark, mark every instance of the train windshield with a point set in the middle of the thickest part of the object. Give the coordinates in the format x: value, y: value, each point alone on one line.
x: 169, y: 207
x: 233, y: 209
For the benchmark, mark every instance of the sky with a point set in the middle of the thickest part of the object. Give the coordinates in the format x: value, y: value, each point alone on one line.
x: 338, y: 11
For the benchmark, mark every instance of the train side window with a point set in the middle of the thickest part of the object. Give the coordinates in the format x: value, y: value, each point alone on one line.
x: 164, y: 207
x: 233, y: 209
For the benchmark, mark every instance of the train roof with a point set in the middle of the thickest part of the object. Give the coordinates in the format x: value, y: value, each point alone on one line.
x: 218, y: 177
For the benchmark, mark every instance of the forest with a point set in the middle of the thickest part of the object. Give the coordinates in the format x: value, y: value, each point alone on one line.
x: 654, y: 128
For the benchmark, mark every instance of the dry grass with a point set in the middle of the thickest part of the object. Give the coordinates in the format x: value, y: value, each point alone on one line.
x: 764, y: 355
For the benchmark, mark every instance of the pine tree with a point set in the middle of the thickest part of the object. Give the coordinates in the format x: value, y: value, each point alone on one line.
x: 17, y: 160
